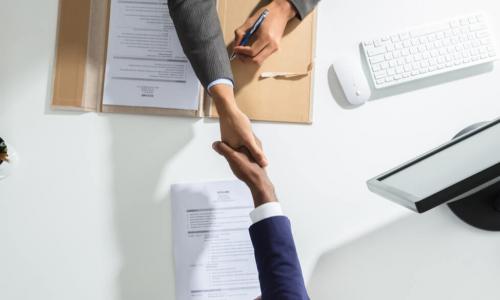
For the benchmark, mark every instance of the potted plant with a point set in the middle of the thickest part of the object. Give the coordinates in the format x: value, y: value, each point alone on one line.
x: 4, y: 155
x: 8, y: 159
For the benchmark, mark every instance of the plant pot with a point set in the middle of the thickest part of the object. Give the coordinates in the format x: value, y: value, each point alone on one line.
x: 6, y: 168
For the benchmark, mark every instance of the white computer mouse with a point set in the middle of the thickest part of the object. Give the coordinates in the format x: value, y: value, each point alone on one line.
x: 352, y: 80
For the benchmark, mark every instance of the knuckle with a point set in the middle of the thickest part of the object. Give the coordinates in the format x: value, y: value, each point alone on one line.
x: 232, y: 156
x: 238, y: 32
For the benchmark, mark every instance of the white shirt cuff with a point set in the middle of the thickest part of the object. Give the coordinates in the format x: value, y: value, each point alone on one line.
x: 220, y: 81
x: 268, y: 210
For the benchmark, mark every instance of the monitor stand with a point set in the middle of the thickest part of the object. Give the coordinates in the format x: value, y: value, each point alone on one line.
x: 481, y: 210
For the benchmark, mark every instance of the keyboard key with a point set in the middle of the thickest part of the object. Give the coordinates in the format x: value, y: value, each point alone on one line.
x: 404, y: 36
x: 376, y: 51
x: 477, y: 27
x: 377, y: 59
x: 380, y: 74
x: 482, y: 34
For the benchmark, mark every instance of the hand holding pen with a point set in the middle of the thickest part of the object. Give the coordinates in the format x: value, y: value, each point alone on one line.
x: 268, y: 26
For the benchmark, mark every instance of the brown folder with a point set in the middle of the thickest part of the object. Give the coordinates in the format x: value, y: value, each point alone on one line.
x: 273, y: 99
x: 81, y: 60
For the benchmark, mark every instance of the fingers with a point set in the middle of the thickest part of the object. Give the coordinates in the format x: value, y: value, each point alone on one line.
x: 264, y: 54
x: 223, y: 149
x: 255, y: 53
x: 257, y: 153
x: 239, y: 33
x: 252, y: 50
x: 246, y: 153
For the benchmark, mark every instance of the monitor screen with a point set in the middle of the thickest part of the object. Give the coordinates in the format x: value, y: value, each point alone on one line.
x: 445, y: 167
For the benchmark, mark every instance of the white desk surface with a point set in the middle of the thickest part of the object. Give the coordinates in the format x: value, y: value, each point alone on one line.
x: 87, y: 214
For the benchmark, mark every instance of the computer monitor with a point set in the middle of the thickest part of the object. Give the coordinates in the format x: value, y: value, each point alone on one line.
x: 456, y: 170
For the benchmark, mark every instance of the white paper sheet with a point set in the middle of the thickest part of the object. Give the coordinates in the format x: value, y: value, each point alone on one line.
x: 146, y: 66
x: 214, y: 256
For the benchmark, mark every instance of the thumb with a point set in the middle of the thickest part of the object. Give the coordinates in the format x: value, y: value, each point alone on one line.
x: 240, y: 32
x: 238, y: 36
x: 257, y: 153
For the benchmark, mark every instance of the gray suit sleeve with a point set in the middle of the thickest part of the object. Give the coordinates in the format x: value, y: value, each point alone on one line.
x: 304, y: 7
x: 198, y: 27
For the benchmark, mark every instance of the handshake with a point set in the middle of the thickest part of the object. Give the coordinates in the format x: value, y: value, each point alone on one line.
x: 249, y: 171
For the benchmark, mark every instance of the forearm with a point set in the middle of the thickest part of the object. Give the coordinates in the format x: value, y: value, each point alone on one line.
x: 280, y: 274
x: 223, y: 96
x: 198, y: 27
x: 286, y: 8
x: 263, y: 192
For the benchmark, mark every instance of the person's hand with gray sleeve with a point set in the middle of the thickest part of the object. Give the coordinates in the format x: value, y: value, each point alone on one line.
x: 280, y: 274
x: 198, y: 27
x: 269, y: 35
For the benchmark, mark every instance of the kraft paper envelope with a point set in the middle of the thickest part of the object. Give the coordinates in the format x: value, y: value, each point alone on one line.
x: 81, y: 60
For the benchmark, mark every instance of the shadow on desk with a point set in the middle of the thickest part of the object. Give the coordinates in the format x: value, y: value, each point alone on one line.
x: 432, y: 256
x: 141, y: 149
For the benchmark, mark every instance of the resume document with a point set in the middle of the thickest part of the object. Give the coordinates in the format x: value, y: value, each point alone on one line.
x: 146, y: 66
x: 214, y: 257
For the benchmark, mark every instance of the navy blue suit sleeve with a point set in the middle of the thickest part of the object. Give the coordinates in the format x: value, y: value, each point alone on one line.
x: 280, y: 274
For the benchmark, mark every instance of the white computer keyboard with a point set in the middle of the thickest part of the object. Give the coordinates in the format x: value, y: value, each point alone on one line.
x: 430, y: 50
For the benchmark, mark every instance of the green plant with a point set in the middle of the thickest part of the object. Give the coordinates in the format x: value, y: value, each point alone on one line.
x: 3, y: 151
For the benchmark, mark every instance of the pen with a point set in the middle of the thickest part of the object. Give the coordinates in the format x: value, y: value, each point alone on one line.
x: 252, y: 30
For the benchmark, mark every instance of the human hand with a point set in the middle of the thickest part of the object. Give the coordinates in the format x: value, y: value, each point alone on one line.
x: 248, y: 171
x: 268, y: 37
x: 235, y: 127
